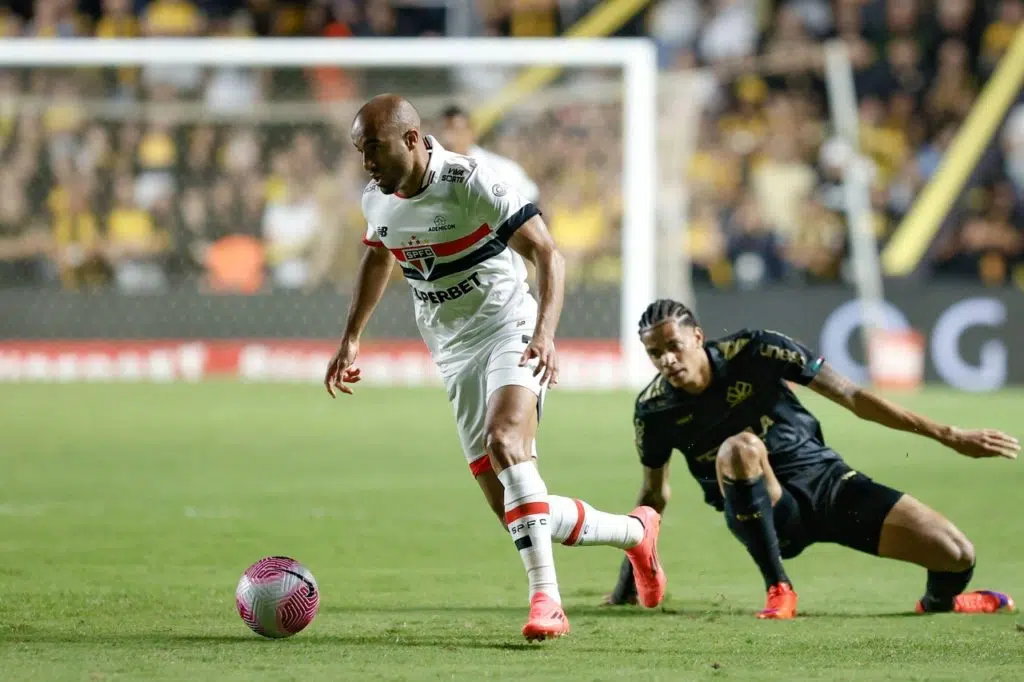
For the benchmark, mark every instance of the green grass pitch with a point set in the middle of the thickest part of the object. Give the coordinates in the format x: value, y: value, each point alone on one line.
x: 128, y: 512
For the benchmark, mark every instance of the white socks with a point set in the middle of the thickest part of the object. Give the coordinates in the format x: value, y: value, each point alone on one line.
x: 574, y: 522
x: 535, y: 519
x: 527, y: 515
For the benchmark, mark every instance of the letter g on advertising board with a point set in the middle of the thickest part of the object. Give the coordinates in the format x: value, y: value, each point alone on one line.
x: 990, y: 373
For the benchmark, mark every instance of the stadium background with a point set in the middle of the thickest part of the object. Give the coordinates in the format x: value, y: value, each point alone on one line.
x: 147, y: 203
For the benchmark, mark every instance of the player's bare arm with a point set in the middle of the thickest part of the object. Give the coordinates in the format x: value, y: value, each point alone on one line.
x: 655, y: 491
x: 976, y: 443
x: 533, y: 242
x: 371, y: 281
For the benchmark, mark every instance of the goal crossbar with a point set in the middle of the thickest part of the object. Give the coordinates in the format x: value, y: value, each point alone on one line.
x: 363, y: 52
x: 635, y: 56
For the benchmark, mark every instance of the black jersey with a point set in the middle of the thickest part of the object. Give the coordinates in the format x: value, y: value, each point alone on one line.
x: 749, y: 391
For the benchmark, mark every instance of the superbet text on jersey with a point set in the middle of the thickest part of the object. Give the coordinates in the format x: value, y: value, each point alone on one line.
x: 451, y: 241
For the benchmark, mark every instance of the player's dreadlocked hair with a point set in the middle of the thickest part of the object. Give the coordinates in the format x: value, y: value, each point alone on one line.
x: 665, y: 309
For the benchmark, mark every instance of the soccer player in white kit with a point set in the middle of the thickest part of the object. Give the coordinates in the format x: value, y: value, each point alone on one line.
x: 460, y: 235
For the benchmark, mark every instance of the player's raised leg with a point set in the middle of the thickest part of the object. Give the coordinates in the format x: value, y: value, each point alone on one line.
x: 654, y: 493
x: 750, y: 490
x: 510, y: 425
x: 914, y: 532
x: 574, y: 523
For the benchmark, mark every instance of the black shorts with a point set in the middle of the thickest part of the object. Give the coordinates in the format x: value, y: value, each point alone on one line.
x: 830, y: 502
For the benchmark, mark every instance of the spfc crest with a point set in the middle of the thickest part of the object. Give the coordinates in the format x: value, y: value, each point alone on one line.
x: 420, y: 256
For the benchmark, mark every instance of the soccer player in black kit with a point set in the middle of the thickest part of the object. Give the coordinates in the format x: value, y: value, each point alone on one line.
x: 760, y: 457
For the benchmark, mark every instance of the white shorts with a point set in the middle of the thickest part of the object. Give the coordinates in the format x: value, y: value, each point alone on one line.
x: 470, y: 388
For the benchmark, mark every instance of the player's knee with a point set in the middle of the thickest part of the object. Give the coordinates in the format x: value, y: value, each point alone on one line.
x: 742, y: 456
x: 505, y: 446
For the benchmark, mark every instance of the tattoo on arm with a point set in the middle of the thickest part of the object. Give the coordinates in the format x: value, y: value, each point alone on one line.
x: 834, y: 386
x: 874, y: 408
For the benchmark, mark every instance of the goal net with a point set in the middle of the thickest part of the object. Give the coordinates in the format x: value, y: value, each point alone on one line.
x: 180, y: 209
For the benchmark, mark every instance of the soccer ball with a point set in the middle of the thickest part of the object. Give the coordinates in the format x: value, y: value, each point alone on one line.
x: 277, y: 597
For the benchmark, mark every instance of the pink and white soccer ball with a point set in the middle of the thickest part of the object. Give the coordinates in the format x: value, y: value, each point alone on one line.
x: 277, y: 597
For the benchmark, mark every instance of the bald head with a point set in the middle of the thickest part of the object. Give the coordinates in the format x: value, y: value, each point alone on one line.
x: 387, y: 114
x: 386, y: 130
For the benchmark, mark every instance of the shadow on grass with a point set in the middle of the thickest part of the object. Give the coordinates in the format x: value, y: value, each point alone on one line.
x: 839, y: 615
x: 25, y: 634
x: 300, y: 642
x: 511, y: 612
x: 693, y: 611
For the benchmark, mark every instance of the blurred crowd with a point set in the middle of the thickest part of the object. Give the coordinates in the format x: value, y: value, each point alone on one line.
x: 767, y: 195
x: 105, y: 182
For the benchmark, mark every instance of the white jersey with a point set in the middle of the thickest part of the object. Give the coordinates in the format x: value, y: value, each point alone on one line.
x: 511, y: 171
x: 451, y: 241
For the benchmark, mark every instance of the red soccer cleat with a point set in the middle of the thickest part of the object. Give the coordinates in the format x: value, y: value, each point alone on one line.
x: 781, y: 603
x: 547, y: 619
x: 979, y: 601
x: 647, y: 572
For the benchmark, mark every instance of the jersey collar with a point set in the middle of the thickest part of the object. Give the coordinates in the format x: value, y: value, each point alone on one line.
x: 716, y: 358
x: 433, y: 165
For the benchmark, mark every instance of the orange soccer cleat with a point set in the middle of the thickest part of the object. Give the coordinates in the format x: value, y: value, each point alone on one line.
x: 979, y: 601
x: 647, y: 572
x: 781, y: 603
x: 546, y: 621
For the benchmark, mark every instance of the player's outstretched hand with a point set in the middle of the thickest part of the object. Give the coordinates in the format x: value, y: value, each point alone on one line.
x: 980, y: 443
x: 340, y: 371
x: 542, y: 347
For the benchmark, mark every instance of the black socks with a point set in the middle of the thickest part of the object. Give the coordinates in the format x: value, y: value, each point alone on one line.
x: 748, y: 513
x: 942, y: 588
x: 625, y: 588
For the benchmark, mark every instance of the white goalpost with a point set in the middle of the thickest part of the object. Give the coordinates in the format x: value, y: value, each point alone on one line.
x: 635, y: 57
x: 865, y: 260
